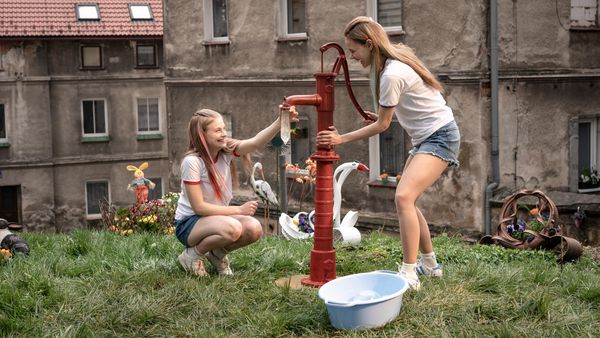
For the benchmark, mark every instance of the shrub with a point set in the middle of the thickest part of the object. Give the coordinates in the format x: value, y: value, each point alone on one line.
x: 156, y: 216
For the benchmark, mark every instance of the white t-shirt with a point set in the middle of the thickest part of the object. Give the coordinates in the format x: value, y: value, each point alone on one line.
x: 193, y: 171
x: 420, y: 109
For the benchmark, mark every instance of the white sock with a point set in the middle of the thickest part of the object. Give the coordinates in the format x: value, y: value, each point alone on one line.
x: 429, y: 260
x: 219, y: 252
x: 192, y: 252
x: 409, y: 270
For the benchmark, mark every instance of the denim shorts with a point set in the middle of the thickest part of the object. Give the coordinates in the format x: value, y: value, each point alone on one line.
x: 184, y: 227
x: 443, y: 143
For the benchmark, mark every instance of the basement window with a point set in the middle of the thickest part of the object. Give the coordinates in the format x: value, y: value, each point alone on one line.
x: 95, y: 191
x: 140, y: 12
x: 87, y: 12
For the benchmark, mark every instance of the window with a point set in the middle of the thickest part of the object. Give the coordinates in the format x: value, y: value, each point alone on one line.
x: 145, y: 56
x: 584, y: 14
x: 148, y: 117
x: 300, y: 142
x: 386, y: 151
x: 215, y: 21
x: 388, y: 13
x: 589, y: 148
x: 91, y: 56
x: 140, y: 12
x: 292, y: 20
x: 93, y: 114
x: 157, y: 192
x: 3, y: 137
x: 88, y: 12
x: 95, y: 191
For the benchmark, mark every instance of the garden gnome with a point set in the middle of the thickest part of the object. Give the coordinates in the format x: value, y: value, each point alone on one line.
x: 140, y: 184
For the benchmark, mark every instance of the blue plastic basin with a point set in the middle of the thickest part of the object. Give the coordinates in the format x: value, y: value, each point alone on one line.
x: 363, y: 300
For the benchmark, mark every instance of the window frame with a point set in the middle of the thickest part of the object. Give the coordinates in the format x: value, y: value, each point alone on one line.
x: 583, y: 24
x: 375, y: 150
x: 594, y: 160
x: 137, y: 116
x: 294, y: 156
x: 82, y: 59
x: 209, y: 36
x: 151, y: 18
x: 4, y: 140
x: 283, y: 22
x: 77, y: 13
x: 372, y: 12
x: 87, y: 204
x: 154, y: 52
x: 105, y: 134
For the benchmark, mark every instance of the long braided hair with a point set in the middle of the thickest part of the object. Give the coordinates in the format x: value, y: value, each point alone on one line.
x: 363, y: 28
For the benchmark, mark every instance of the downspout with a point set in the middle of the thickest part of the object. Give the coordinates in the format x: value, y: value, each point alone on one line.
x: 494, y: 91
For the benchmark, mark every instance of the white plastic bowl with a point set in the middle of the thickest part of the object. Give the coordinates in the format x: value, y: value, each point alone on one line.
x: 364, y: 300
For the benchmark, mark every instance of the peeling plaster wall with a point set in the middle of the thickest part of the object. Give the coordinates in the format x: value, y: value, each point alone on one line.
x: 41, y: 86
x: 249, y: 77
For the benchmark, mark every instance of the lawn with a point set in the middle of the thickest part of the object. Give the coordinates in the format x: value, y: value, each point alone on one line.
x: 96, y: 283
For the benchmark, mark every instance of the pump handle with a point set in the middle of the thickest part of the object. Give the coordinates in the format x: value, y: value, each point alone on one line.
x: 341, y: 61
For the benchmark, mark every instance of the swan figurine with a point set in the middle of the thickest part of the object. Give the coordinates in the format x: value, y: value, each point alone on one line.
x: 345, y: 230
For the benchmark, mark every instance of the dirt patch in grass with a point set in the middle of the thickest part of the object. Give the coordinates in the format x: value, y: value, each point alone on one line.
x: 592, y: 251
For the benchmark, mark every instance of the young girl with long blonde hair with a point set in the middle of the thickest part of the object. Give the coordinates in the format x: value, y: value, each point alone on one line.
x: 402, y: 85
x: 205, y: 222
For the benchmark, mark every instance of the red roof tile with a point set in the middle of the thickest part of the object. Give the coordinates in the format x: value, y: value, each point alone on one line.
x: 57, y: 19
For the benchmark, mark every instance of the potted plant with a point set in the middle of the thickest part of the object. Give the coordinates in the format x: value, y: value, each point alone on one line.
x: 589, y: 180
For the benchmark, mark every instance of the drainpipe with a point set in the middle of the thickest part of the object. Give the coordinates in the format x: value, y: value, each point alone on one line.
x: 494, y: 91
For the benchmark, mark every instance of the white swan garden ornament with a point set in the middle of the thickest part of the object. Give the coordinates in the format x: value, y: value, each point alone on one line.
x: 343, y: 231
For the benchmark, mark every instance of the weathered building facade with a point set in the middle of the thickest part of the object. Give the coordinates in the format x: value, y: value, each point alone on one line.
x: 548, y: 80
x: 81, y: 97
x: 242, y: 58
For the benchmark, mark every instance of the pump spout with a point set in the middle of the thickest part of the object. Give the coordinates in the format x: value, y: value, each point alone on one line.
x: 303, y: 100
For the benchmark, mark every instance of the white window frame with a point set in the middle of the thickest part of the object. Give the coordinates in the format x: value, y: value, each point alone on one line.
x: 282, y: 24
x: 99, y: 215
x: 372, y: 12
x: 584, y: 14
x: 209, y: 35
x: 85, y: 16
x: 593, y: 141
x: 137, y: 116
x: 5, y: 138
x: 133, y: 11
x: 83, y: 134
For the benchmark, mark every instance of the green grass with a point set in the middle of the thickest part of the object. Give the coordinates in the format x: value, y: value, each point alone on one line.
x: 89, y: 284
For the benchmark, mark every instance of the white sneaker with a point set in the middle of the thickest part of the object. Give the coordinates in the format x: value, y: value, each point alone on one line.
x: 221, y: 264
x: 193, y: 264
x: 424, y: 270
x: 413, y: 283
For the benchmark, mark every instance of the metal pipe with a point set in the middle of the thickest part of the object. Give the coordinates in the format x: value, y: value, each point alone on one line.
x: 494, y: 110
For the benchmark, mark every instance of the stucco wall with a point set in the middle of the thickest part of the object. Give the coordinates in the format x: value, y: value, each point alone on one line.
x: 249, y: 77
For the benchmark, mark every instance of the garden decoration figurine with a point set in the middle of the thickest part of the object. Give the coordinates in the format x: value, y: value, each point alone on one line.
x: 263, y: 190
x: 10, y: 242
x: 524, y: 228
x: 345, y: 230
x: 140, y: 184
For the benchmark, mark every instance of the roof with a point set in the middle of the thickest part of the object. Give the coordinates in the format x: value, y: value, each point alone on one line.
x: 58, y: 19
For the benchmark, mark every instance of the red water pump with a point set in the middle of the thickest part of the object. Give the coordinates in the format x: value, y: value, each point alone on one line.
x: 322, y: 256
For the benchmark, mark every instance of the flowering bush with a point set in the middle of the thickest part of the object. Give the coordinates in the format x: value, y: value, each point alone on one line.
x: 589, y: 178
x: 156, y: 216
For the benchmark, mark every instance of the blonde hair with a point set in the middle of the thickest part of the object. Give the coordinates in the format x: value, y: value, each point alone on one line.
x: 197, y: 145
x: 363, y: 28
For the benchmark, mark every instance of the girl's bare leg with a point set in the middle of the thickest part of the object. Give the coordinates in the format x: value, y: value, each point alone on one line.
x: 420, y: 172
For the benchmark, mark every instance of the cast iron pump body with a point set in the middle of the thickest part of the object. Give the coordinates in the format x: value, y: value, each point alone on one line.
x: 322, y: 256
